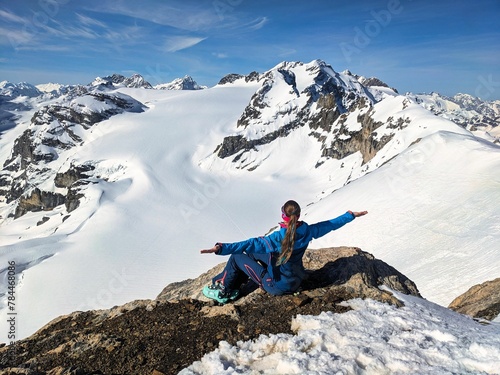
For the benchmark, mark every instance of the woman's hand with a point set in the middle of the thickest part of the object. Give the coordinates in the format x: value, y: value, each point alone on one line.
x: 358, y: 214
x: 212, y: 250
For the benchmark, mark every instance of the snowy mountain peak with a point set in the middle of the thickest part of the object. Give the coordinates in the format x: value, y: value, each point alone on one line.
x: 312, y: 97
x: 134, y: 81
x: 30, y: 171
x: 14, y: 90
x: 185, y: 83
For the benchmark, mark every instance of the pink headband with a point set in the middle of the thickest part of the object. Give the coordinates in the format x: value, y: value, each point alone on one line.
x: 284, y: 215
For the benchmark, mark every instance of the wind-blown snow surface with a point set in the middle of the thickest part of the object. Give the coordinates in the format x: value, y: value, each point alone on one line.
x: 373, y: 338
x: 434, y: 214
x: 433, y: 211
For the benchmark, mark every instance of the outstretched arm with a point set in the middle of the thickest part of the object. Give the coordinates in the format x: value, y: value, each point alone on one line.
x: 252, y: 245
x: 320, y: 229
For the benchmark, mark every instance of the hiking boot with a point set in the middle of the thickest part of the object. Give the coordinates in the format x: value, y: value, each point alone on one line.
x: 219, y: 293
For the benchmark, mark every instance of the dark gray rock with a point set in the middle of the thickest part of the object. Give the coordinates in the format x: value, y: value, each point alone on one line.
x: 230, y: 78
x: 73, y: 174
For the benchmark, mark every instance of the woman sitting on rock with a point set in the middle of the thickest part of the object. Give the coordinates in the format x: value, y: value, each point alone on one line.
x: 273, y: 262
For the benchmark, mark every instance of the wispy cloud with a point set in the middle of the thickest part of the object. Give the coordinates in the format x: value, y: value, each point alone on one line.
x: 88, y: 21
x: 70, y: 31
x: 258, y: 23
x: 9, y: 16
x: 190, y: 16
x: 15, y: 38
x: 177, y: 43
x: 43, y: 47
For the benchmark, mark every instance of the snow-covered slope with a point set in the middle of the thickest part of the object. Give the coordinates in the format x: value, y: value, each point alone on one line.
x: 152, y: 188
x: 373, y: 338
x: 434, y: 213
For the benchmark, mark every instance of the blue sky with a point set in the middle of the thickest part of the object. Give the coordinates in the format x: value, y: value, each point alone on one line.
x: 413, y: 45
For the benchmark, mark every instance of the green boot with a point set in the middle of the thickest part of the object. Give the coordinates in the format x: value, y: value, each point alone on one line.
x: 219, y: 293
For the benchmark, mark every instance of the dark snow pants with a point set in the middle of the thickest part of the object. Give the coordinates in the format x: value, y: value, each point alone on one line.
x: 240, y: 267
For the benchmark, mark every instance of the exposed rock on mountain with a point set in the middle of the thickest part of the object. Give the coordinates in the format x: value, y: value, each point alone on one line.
x: 370, y: 81
x: 481, y: 301
x: 231, y: 78
x: 134, y: 81
x: 38, y: 200
x: 326, y: 102
x: 167, y: 334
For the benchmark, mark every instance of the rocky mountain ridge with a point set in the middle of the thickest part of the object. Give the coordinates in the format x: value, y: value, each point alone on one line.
x: 347, y: 120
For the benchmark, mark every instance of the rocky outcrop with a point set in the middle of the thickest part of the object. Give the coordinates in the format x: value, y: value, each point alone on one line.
x: 346, y: 141
x: 73, y: 174
x: 232, y: 77
x: 481, y: 301
x: 163, y: 336
x: 350, y: 267
x: 38, y: 200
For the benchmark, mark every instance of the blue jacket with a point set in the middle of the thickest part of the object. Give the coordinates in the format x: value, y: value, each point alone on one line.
x: 288, y: 276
